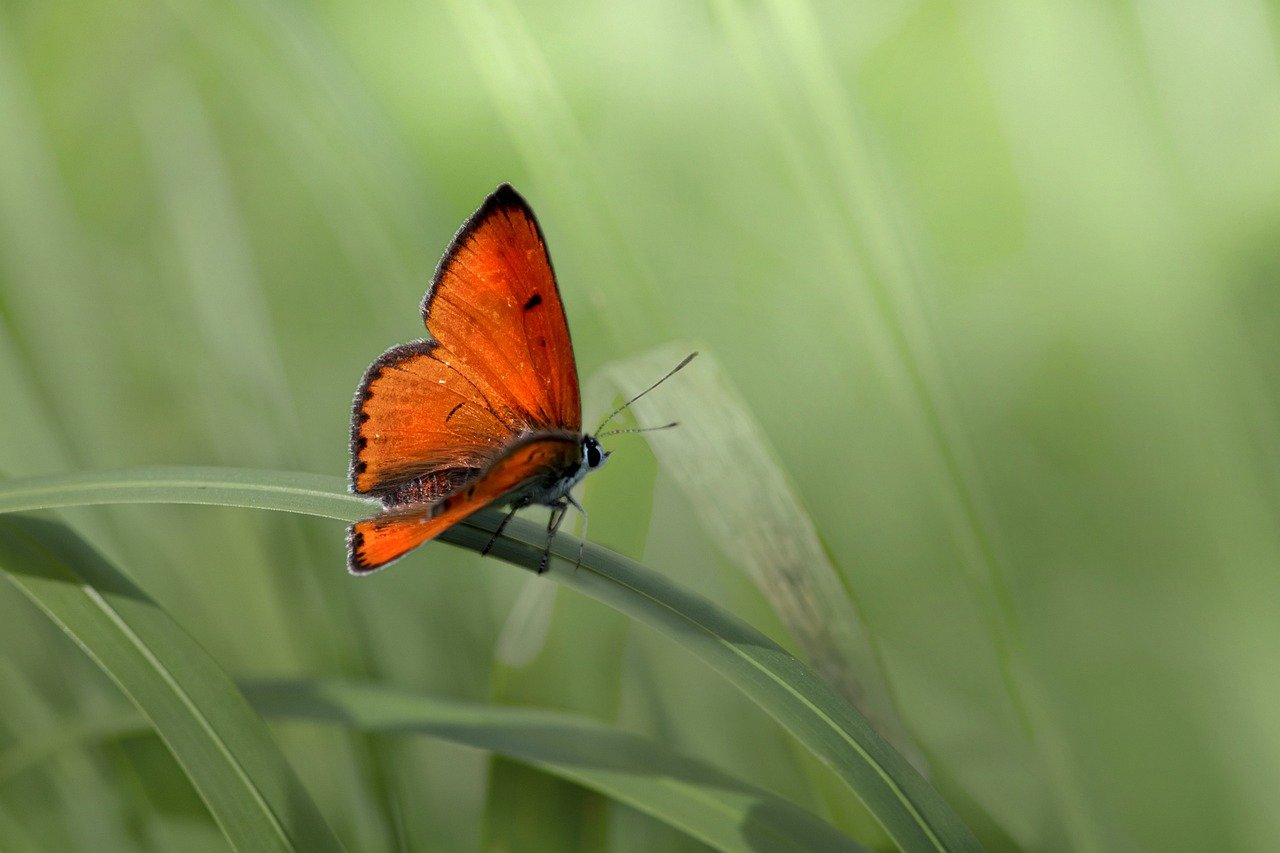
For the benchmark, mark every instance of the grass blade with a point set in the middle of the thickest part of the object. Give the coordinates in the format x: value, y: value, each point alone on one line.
x: 911, y: 812
x: 694, y: 797
x: 223, y: 746
x: 310, y: 494
x: 700, y: 800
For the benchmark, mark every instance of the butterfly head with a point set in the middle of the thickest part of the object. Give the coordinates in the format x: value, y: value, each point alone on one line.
x: 593, y: 455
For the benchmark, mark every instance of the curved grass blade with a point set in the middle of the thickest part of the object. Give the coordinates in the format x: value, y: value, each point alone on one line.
x: 722, y: 460
x: 911, y: 812
x: 219, y: 741
x: 289, y: 491
x: 700, y: 800
x: 706, y: 803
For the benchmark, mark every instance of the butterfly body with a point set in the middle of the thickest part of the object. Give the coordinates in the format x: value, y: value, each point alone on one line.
x: 553, y: 483
x: 484, y: 413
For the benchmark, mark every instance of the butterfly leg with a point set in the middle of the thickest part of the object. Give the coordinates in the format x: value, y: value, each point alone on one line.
x: 558, y: 510
x: 582, y: 541
x: 498, y: 532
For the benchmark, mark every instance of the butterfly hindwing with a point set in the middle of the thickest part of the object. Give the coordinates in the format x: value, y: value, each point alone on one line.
x: 533, y: 463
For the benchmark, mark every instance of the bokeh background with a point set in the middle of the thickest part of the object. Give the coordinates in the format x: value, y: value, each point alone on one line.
x: 994, y: 283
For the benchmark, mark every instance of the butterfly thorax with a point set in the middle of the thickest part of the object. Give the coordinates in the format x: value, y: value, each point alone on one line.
x: 553, y: 490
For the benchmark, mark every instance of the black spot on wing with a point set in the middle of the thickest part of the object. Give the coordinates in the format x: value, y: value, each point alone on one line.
x: 501, y: 201
x: 534, y: 302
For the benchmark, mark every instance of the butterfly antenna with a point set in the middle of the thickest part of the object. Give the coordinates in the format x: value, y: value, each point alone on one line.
x: 637, y: 429
x: 672, y: 372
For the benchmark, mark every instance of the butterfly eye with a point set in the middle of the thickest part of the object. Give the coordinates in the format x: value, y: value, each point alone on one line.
x: 592, y: 450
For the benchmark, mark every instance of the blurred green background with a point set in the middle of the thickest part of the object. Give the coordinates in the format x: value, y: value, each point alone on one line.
x: 997, y: 282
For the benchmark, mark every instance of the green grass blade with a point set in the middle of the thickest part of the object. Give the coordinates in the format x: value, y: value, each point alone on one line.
x: 911, y: 812
x: 310, y: 494
x: 694, y: 797
x: 223, y: 746
x: 723, y: 462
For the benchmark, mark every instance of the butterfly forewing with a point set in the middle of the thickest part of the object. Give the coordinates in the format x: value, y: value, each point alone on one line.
x: 500, y: 365
x: 495, y: 308
x: 532, y: 463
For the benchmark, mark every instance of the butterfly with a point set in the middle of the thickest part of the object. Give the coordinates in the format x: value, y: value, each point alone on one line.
x: 486, y: 411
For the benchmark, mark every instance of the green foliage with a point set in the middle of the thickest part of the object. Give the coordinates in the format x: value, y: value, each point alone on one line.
x: 224, y: 747
x: 990, y: 294
x: 160, y: 669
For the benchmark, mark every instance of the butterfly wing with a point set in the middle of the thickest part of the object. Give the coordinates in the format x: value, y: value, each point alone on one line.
x: 532, y: 463
x: 495, y: 309
x: 431, y: 414
x: 416, y: 427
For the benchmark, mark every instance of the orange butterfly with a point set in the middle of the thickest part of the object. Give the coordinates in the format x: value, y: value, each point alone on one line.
x: 484, y: 413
